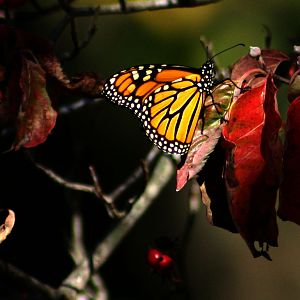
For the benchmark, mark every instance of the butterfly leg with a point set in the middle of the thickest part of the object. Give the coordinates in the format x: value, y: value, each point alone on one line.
x: 220, y: 111
x: 242, y: 89
x: 214, y: 103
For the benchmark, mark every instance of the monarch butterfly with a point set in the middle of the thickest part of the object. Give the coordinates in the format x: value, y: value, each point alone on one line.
x: 168, y: 99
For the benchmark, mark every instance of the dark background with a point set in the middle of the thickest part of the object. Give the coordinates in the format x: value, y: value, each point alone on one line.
x: 218, y: 264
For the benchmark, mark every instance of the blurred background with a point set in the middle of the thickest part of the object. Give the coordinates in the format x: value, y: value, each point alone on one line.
x: 217, y: 264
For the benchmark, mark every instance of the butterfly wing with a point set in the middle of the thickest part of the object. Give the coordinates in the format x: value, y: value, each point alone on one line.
x: 167, y: 99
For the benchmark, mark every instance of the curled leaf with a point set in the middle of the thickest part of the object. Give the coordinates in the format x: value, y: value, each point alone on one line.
x: 198, y: 155
x: 247, y: 68
x: 7, y: 218
x: 36, y: 116
x: 28, y: 67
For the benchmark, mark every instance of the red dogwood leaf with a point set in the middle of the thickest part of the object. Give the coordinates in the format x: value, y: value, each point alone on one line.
x: 247, y: 67
x: 289, y: 200
x: 198, y: 155
x: 87, y: 83
x: 36, y: 116
x: 29, y: 65
x: 253, y: 165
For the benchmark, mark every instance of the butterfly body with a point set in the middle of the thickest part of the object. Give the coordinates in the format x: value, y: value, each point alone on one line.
x: 168, y: 99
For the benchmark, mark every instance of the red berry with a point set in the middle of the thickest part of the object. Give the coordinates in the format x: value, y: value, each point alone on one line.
x: 159, y: 261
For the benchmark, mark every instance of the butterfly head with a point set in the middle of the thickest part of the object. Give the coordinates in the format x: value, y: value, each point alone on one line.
x: 207, y: 71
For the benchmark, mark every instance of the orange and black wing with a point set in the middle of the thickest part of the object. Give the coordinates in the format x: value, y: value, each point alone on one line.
x: 167, y: 99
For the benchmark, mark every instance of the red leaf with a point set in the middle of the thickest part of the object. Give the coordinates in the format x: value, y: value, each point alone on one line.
x: 40, y: 48
x: 36, y: 117
x: 253, y: 164
x: 289, y: 200
x: 248, y: 67
x: 198, y: 155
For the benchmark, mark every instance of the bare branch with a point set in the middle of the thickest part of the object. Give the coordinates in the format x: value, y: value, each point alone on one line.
x: 66, y: 183
x: 70, y: 18
x: 138, y: 173
x: 109, y: 202
x: 40, y: 11
x: 79, y: 45
x: 162, y: 173
x: 34, y: 286
x: 77, y: 249
x: 83, y: 102
x: 116, y: 8
x: 59, y: 28
x: 136, y: 6
x: 282, y: 79
x: 96, y: 187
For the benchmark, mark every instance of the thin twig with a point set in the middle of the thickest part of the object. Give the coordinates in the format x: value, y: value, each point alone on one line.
x: 79, y: 104
x: 74, y: 35
x: 70, y: 18
x: 130, y: 7
x: 59, y: 28
x: 66, y: 183
x: 95, y: 189
x: 23, y: 16
x: 112, y: 210
x: 138, y: 173
x: 78, y: 46
x: 282, y: 79
x: 160, y: 177
x: 137, y: 6
x: 98, y: 189
x: 29, y: 283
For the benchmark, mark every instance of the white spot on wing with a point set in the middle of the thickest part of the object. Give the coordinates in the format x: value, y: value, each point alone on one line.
x: 135, y: 76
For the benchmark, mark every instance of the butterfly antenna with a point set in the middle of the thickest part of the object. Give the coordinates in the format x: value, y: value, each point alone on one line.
x: 226, y: 50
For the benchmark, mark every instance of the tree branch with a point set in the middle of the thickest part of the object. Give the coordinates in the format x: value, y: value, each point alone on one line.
x: 95, y: 189
x: 161, y: 175
x: 66, y: 183
x: 136, y: 6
